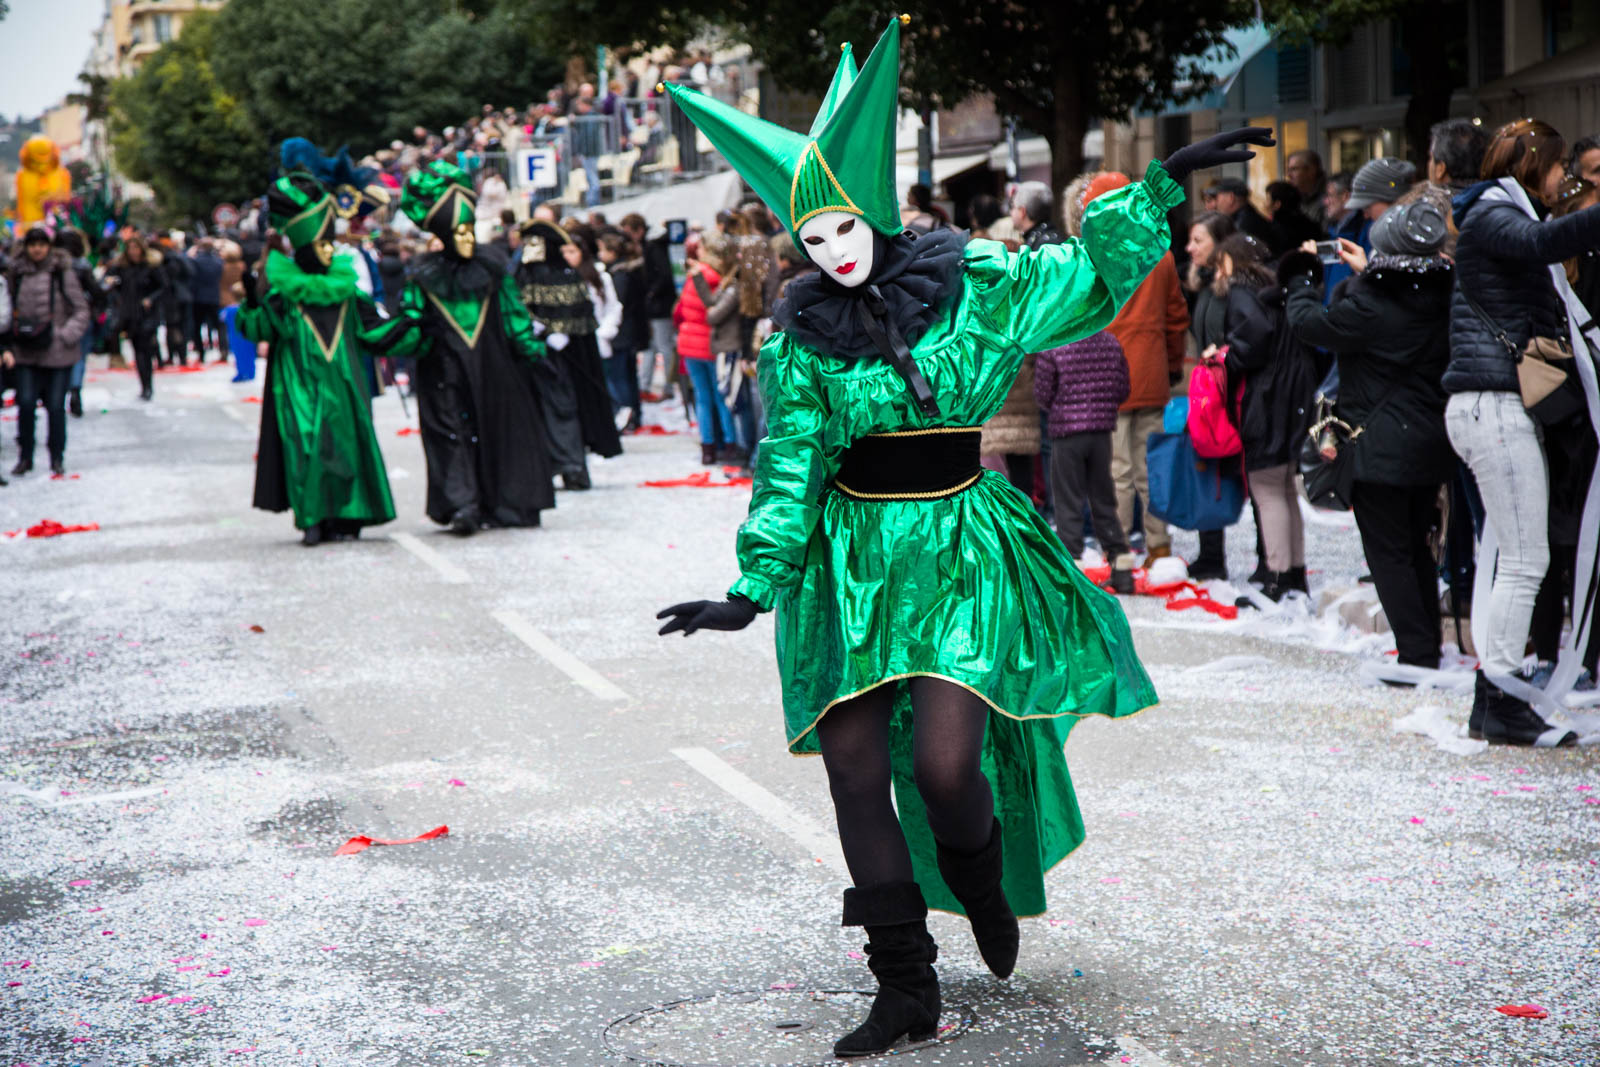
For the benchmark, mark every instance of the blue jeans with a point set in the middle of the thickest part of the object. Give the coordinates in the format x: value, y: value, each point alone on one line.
x: 708, y: 402
x: 622, y: 379
x: 33, y: 385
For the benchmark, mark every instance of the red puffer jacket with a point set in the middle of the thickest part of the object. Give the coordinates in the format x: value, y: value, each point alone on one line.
x: 689, y: 316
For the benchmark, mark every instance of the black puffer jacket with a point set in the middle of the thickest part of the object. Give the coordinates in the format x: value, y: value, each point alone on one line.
x: 1390, y: 331
x: 1502, y: 260
x: 1278, y: 373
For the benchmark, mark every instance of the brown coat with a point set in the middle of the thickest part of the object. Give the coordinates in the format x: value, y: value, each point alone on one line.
x: 1014, y: 431
x: 30, y: 300
x: 1151, y: 328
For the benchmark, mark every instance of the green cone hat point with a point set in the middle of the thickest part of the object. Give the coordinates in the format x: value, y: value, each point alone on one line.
x: 843, y: 78
x: 847, y: 161
x: 438, y: 198
x: 313, y: 213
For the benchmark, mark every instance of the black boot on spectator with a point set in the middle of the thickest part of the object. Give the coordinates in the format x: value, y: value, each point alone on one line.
x: 1204, y: 568
x: 708, y: 455
x: 1509, y: 721
x: 75, y: 403
x: 1296, y: 579
x: 1480, y: 699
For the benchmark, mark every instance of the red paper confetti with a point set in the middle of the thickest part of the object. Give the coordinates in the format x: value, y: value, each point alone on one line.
x: 1523, y: 1011
x: 249, y: 400
x: 697, y: 480
x: 362, y: 842
x: 406, y: 431
x: 651, y: 429
x: 51, y: 528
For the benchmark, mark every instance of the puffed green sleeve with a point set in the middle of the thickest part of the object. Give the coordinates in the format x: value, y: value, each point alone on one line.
x: 519, y: 324
x: 791, y: 469
x: 401, y: 334
x: 258, y: 323
x: 1057, y: 294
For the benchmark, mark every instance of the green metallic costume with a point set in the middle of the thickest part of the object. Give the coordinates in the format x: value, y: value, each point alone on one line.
x: 318, y: 453
x: 974, y: 587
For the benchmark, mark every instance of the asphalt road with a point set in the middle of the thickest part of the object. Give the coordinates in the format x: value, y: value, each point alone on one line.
x: 196, y: 712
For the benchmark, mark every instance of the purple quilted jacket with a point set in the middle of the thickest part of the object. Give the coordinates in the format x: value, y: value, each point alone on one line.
x: 1080, y: 385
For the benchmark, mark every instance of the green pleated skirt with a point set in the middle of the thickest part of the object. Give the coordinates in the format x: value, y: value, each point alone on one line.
x: 978, y: 590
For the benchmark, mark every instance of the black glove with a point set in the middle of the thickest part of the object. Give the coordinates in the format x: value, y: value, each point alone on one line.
x: 248, y: 281
x: 1299, y: 268
x: 735, y: 613
x: 1215, y: 151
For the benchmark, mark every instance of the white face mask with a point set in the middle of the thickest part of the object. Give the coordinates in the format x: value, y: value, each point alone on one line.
x: 841, y: 244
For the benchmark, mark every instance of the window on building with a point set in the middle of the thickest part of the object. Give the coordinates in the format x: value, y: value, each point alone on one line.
x: 163, y: 28
x: 1350, y: 71
x: 1489, y: 18
x: 1570, y: 24
x: 1294, y: 75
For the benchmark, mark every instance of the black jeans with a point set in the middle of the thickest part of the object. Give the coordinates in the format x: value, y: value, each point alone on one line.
x: 1395, y: 522
x: 208, y: 320
x: 1080, y: 470
x: 50, y: 383
x: 145, y: 353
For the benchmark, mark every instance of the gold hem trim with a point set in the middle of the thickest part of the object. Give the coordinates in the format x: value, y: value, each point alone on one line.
x: 953, y: 681
x: 477, y: 331
x: 940, y: 494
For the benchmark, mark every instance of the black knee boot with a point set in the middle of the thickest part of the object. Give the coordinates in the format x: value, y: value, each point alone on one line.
x: 900, y: 952
x: 974, y: 878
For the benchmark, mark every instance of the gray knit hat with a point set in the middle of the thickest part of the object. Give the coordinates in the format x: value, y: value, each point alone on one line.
x: 1415, y: 229
x: 1380, y: 181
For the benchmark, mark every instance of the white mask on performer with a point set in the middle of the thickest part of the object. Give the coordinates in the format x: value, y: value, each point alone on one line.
x: 841, y: 244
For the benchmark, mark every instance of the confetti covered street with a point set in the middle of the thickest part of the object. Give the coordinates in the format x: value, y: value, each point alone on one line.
x: 228, y: 762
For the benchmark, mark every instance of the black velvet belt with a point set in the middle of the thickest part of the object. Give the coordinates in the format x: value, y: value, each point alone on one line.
x: 911, y: 464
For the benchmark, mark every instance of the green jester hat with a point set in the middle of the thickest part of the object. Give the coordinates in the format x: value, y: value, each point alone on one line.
x: 438, y: 198
x: 845, y: 163
x: 300, y: 209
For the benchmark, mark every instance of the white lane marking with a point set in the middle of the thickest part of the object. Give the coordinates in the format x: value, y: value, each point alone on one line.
x: 780, y: 813
x: 234, y: 413
x: 46, y: 799
x: 565, y: 661
x: 1142, y: 1057
x: 446, y: 570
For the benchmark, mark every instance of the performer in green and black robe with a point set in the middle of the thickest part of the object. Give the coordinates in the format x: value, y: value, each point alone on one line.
x: 482, y: 428
x: 572, y: 388
x: 933, y: 635
x: 318, y: 454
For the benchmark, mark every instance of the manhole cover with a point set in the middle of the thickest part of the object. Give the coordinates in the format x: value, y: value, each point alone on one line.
x: 773, y: 1028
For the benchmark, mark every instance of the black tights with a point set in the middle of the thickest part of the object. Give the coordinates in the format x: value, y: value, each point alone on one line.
x: 947, y: 749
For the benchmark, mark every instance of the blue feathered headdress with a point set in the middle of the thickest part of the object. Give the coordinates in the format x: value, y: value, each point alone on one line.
x: 356, y: 190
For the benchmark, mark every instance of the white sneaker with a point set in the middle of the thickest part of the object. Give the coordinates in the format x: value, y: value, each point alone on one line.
x: 624, y: 415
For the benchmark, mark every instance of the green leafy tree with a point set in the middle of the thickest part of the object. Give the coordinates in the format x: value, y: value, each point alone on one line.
x: 321, y: 69
x: 95, y: 98
x: 174, y: 127
x: 1433, y: 34
x: 459, y: 62
x: 363, y: 72
x: 1054, y: 67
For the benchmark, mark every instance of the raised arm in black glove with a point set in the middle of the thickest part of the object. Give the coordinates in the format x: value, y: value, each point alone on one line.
x: 735, y: 613
x: 1215, y: 151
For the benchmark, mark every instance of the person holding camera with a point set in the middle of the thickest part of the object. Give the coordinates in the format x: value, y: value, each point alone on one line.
x: 49, y: 317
